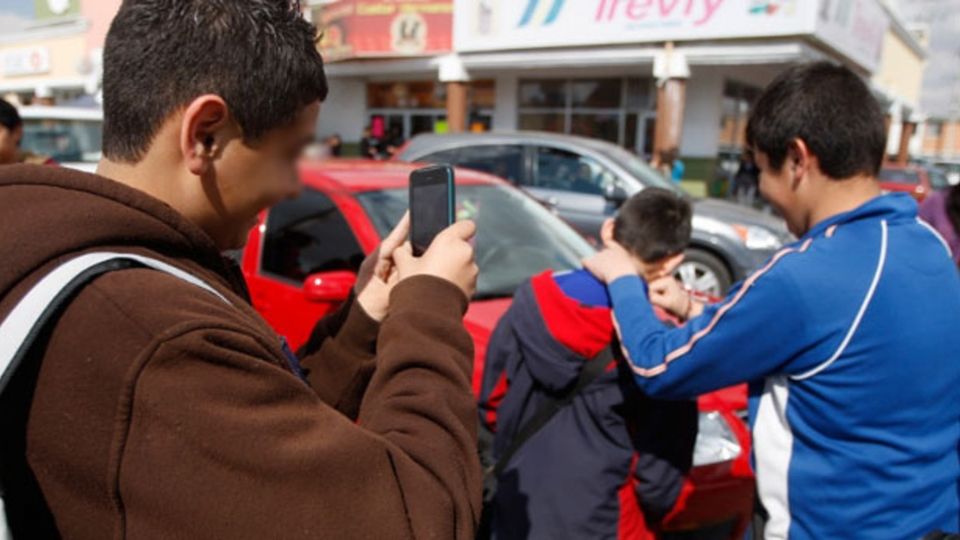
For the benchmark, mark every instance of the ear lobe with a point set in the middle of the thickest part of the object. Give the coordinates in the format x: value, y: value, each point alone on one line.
x: 606, y: 231
x: 203, y: 125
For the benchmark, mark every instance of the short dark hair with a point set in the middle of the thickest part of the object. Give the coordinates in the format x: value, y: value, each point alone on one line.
x: 260, y: 56
x: 9, y: 117
x: 831, y: 109
x: 654, y: 224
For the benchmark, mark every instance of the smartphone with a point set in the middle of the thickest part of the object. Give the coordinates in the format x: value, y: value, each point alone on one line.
x: 431, y: 204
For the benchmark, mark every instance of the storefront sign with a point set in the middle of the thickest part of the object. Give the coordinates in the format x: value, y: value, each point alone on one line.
x: 855, y: 28
x: 26, y: 61
x: 48, y: 9
x: 519, y: 24
x: 385, y: 28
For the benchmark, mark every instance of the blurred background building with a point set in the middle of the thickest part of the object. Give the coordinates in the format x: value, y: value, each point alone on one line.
x: 649, y: 75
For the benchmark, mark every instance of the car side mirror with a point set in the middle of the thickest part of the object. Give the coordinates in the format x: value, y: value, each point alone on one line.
x: 615, y: 194
x: 330, y: 287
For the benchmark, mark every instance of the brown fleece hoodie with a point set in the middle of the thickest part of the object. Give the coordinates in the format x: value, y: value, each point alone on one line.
x: 162, y: 412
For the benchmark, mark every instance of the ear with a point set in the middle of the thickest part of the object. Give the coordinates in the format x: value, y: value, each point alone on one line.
x: 606, y: 231
x: 799, y: 161
x: 203, y: 132
x: 669, y: 264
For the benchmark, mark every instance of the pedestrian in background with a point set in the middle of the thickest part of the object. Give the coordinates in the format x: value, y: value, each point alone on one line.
x: 370, y: 145
x: 11, y: 137
x: 746, y: 180
x: 941, y: 209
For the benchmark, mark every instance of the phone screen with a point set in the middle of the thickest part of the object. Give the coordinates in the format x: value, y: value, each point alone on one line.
x: 431, y: 205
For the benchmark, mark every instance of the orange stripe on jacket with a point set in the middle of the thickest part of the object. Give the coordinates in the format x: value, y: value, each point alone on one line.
x: 686, y: 348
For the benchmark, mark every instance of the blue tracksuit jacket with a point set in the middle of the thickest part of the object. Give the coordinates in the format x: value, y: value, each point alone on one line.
x: 851, y: 338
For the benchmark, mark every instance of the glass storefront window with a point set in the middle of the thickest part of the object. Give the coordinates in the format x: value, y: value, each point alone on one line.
x: 608, y: 109
x: 548, y: 93
x: 597, y: 94
x: 403, y: 109
x: 640, y: 95
x: 483, y: 94
x: 604, y: 126
x: 552, y: 122
x: 737, y: 102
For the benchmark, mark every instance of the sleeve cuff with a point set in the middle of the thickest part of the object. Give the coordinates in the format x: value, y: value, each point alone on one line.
x: 358, y: 335
x: 428, y: 293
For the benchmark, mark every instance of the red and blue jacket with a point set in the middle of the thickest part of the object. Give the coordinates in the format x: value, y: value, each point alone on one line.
x: 608, y: 464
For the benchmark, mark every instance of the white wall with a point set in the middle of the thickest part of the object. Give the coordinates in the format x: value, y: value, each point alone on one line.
x: 505, y: 111
x: 704, y: 106
x: 701, y: 115
x: 344, y: 111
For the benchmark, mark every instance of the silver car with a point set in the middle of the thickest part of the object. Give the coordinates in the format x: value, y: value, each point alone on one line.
x: 585, y: 181
x: 72, y: 136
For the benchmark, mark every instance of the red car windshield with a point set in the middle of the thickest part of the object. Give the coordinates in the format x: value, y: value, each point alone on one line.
x: 516, y: 237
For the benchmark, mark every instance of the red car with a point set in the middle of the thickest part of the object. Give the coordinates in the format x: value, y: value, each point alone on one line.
x: 300, y: 260
x: 916, y: 180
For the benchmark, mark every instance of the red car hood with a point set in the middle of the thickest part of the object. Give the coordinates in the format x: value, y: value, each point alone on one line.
x: 482, y: 317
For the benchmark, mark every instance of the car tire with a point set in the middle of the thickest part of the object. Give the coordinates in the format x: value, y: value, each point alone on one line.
x: 704, y: 272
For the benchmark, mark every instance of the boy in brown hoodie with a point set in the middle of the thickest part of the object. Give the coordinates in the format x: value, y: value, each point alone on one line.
x: 156, y: 409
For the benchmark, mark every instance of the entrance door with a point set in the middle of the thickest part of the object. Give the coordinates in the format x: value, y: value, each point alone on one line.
x: 413, y: 122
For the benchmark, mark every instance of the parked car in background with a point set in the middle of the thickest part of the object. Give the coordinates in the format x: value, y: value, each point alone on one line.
x: 585, y: 180
x: 951, y: 169
x: 72, y: 136
x: 300, y: 263
x: 917, y: 180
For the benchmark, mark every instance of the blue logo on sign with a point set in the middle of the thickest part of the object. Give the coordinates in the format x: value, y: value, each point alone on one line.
x: 531, y: 11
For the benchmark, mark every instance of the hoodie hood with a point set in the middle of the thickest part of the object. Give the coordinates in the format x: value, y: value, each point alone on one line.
x: 51, y: 213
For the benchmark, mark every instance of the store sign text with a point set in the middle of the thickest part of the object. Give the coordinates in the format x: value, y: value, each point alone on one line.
x: 27, y: 61
x: 698, y: 11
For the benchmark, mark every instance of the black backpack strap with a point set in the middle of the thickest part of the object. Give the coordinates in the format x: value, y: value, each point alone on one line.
x: 590, y: 372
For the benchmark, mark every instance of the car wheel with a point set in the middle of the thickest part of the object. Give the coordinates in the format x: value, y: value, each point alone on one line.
x: 704, y: 272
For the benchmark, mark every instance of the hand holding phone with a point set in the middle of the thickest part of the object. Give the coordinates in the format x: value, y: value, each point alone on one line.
x: 451, y: 258
x: 431, y: 205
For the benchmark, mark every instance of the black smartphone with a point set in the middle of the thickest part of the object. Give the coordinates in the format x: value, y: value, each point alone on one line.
x: 431, y: 204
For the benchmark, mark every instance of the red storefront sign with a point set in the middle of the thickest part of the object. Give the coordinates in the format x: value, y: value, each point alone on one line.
x: 385, y: 28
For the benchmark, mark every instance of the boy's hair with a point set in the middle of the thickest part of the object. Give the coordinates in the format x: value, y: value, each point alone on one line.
x: 831, y: 109
x: 654, y: 224
x: 9, y: 117
x: 260, y: 56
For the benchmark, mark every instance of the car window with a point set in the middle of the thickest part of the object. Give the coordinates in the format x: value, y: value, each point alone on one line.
x: 899, y: 176
x: 938, y: 180
x: 307, y: 235
x: 516, y: 237
x: 503, y: 160
x: 63, y: 140
x: 567, y: 171
x: 444, y: 156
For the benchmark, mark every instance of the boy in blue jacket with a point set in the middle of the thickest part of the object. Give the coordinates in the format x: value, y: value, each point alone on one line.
x: 611, y: 463
x: 850, y: 337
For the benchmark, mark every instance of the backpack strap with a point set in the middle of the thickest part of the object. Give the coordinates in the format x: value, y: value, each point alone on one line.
x: 591, y: 371
x: 29, y: 319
